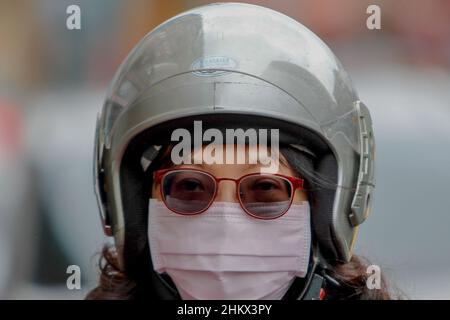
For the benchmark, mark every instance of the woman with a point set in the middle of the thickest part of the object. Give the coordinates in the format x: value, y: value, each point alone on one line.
x: 209, y: 85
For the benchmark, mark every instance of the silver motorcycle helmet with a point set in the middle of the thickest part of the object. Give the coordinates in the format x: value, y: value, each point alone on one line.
x: 228, y: 64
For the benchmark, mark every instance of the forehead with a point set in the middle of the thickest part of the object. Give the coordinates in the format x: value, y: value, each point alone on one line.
x: 247, y: 148
x: 259, y: 150
x: 262, y: 152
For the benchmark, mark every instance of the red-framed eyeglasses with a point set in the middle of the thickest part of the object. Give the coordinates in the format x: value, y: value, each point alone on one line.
x: 189, y: 191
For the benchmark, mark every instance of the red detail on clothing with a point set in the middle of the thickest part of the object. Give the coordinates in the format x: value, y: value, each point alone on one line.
x: 322, y: 294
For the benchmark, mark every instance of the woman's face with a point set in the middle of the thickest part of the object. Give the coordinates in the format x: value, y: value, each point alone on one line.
x: 227, y: 189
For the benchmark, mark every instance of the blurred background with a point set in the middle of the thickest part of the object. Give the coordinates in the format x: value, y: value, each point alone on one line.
x: 53, y: 81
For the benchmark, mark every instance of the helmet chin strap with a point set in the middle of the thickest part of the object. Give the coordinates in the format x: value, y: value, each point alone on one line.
x: 312, y: 286
x: 163, y: 287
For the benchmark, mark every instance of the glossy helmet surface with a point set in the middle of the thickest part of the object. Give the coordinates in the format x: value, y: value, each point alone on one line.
x: 233, y: 63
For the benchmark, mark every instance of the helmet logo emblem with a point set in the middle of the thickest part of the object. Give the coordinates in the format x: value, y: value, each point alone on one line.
x: 212, y: 66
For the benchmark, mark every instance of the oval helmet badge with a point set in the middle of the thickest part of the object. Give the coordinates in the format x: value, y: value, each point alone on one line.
x: 213, y: 66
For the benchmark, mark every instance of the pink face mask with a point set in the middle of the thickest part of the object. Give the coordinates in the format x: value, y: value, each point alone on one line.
x: 224, y: 253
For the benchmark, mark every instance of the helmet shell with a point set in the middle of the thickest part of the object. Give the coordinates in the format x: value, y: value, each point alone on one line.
x: 246, y: 61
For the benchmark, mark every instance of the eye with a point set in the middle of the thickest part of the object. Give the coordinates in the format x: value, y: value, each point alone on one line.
x: 265, y: 185
x: 190, y: 185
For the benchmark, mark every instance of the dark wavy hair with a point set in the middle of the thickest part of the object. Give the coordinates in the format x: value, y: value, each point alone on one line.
x: 352, y: 276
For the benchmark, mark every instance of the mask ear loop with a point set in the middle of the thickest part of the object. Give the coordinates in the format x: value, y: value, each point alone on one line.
x: 312, y: 287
